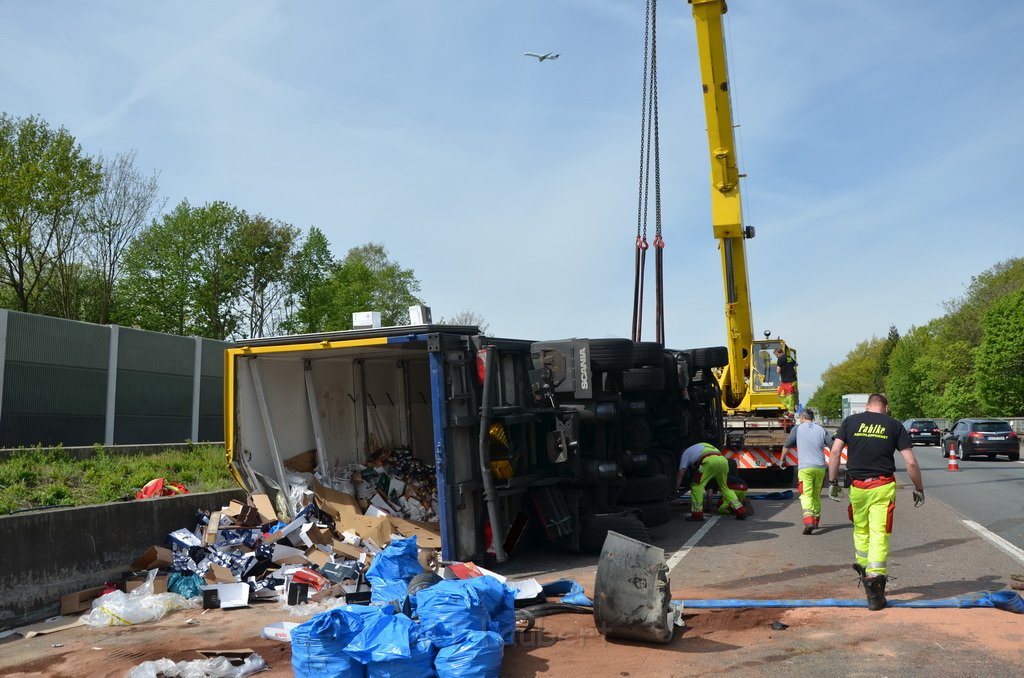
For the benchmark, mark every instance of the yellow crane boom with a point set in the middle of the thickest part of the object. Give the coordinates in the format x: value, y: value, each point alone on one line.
x: 749, y: 381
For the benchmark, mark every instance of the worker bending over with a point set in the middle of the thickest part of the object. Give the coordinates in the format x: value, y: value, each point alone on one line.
x: 704, y: 463
x: 872, y: 438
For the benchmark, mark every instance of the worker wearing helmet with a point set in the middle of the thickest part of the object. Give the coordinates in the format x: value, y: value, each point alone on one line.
x: 872, y: 438
x: 704, y: 463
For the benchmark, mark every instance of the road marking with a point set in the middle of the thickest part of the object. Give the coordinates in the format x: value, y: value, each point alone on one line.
x: 1001, y: 543
x: 691, y: 542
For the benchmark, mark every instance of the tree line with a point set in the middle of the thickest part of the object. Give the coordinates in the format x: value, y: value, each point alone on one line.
x: 968, y: 362
x: 88, y: 238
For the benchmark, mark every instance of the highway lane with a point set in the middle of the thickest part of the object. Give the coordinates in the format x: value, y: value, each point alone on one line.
x: 990, y: 493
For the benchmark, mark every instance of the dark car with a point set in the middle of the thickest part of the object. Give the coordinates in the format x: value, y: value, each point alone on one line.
x: 981, y: 437
x: 922, y: 431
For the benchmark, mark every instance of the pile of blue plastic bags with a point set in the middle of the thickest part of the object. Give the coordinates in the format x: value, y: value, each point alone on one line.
x: 452, y: 628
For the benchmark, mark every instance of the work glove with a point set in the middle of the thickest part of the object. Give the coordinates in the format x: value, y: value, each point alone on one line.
x: 918, y: 498
x: 835, y: 493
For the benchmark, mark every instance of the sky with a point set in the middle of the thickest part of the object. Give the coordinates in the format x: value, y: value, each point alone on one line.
x: 881, y: 143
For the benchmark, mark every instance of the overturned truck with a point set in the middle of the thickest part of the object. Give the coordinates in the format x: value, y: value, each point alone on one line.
x: 555, y: 442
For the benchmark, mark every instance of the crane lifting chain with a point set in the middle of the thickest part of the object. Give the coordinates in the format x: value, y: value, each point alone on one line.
x: 649, y: 144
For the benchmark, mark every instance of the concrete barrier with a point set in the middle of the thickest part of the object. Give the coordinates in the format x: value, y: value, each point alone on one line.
x: 46, y: 554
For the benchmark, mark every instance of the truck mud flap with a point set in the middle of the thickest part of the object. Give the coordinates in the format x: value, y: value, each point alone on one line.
x: 632, y: 598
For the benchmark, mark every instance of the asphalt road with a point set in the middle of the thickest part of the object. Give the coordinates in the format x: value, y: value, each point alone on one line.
x: 990, y: 493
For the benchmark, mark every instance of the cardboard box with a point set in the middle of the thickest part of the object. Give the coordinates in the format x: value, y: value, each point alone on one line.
x: 428, y: 535
x: 159, y: 583
x: 317, y: 557
x: 80, y: 601
x: 210, y: 536
x: 265, y: 508
x: 334, y: 503
x: 304, y: 462
x: 218, y: 574
x: 154, y: 557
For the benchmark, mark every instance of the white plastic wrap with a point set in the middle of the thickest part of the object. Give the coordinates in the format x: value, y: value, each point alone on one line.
x: 118, y: 608
x: 218, y: 667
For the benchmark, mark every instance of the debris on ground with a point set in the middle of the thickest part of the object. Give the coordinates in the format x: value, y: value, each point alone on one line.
x: 216, y: 667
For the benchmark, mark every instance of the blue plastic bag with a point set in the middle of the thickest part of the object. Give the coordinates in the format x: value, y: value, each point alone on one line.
x: 383, y: 637
x: 318, y: 645
x: 500, y: 603
x: 478, y: 655
x: 420, y: 663
x: 393, y: 569
x: 448, y: 610
x: 187, y: 585
x: 571, y: 592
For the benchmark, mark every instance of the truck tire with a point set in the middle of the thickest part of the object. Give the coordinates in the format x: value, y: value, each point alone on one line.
x: 652, y: 513
x: 647, y: 354
x: 611, y: 355
x: 594, y: 529
x: 422, y: 581
x: 664, y: 462
x: 706, y: 358
x: 637, y: 433
x: 642, y: 490
x: 643, y: 379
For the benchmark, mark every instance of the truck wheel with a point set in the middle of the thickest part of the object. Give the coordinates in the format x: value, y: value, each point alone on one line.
x: 705, y: 358
x: 422, y: 581
x: 651, y: 488
x: 637, y: 433
x: 595, y: 528
x: 652, y: 513
x: 643, y: 379
x: 611, y: 355
x: 647, y: 354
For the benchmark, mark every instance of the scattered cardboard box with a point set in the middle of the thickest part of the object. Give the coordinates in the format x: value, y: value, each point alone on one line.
x: 218, y: 574
x: 155, y: 557
x: 428, y: 535
x: 159, y: 583
x: 265, y: 508
x: 210, y: 537
x: 304, y: 462
x: 80, y: 601
x: 51, y: 625
x: 317, y: 557
x: 336, y: 504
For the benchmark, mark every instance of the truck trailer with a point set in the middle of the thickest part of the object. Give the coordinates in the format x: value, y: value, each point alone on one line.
x: 551, y: 442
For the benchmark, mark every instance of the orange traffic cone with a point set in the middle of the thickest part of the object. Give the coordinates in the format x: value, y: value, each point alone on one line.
x: 953, y: 464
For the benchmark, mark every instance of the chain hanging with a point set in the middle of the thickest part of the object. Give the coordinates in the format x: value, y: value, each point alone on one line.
x: 649, y: 140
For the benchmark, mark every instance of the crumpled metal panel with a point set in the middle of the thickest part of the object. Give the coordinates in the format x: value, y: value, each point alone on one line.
x: 632, y: 593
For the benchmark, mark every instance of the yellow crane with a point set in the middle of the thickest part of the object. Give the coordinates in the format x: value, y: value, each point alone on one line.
x: 749, y: 381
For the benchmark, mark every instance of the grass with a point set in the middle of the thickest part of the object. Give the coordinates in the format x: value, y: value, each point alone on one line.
x: 38, y: 477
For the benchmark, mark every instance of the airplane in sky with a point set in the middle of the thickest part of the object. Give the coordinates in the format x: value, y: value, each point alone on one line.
x: 550, y: 56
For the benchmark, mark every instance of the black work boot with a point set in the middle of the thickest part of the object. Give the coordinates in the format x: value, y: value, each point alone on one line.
x: 860, y: 570
x: 875, y: 588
